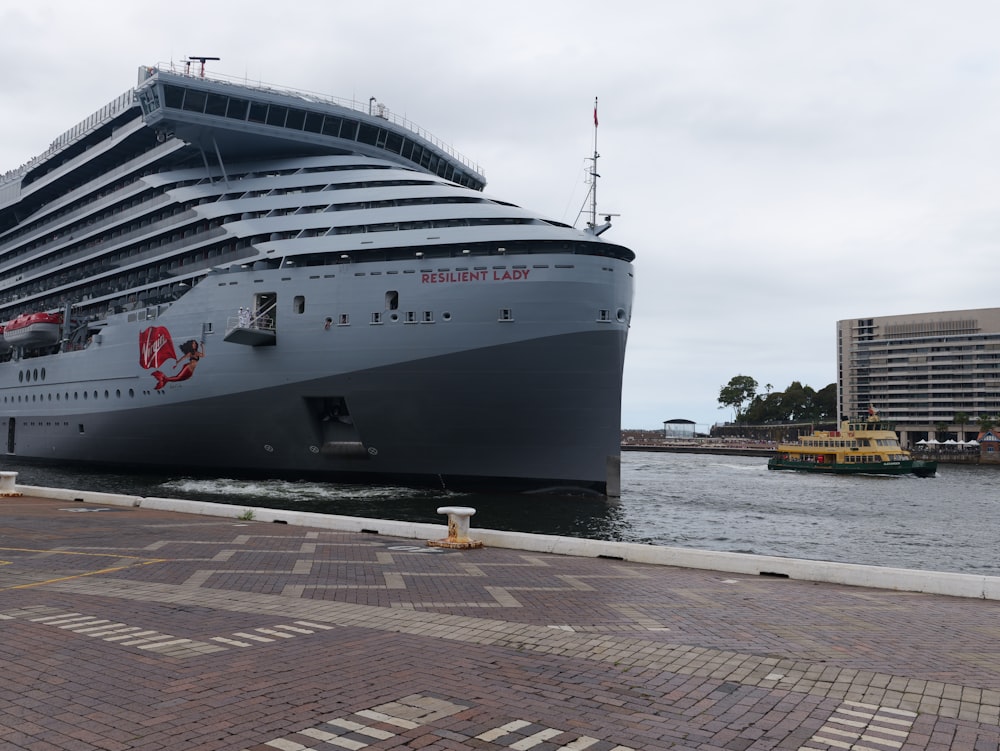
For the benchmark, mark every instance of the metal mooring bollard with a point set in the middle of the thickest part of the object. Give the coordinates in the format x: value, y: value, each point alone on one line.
x: 8, y: 488
x: 458, y: 528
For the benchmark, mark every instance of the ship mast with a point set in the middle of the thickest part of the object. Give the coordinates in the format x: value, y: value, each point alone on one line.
x: 592, y: 226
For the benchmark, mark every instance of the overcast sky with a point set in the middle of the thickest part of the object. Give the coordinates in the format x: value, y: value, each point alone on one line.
x: 778, y: 165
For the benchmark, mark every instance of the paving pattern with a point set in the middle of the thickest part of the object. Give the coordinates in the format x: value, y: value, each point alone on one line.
x: 140, y: 629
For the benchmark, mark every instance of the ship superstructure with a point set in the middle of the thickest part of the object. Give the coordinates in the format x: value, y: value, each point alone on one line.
x: 236, y: 277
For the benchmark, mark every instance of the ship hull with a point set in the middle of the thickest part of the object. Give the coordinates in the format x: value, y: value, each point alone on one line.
x: 484, y: 404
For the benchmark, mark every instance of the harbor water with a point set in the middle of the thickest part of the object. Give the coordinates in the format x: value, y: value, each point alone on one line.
x: 731, y: 503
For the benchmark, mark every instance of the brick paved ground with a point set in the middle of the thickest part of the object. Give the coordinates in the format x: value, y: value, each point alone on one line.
x: 125, y: 628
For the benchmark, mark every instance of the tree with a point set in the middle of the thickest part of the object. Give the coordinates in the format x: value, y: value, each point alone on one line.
x: 961, y: 419
x: 738, y: 394
x: 985, y: 423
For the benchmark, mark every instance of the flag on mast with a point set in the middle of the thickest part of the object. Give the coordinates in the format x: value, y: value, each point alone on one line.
x: 595, y: 111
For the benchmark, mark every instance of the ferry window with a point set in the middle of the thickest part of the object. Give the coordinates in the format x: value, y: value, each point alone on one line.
x: 505, y: 315
x: 428, y: 316
x: 345, y: 319
x: 411, y: 316
x: 299, y: 304
x: 392, y: 300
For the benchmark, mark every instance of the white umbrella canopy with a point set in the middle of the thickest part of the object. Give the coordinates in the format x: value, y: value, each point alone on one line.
x: 973, y: 442
x: 922, y: 442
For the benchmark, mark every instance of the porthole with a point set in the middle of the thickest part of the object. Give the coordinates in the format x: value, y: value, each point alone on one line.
x: 20, y: 376
x: 131, y: 393
x: 118, y: 393
x: 446, y: 316
x: 85, y: 394
x: 106, y: 394
x: 620, y: 315
x: 34, y: 374
x: 43, y: 374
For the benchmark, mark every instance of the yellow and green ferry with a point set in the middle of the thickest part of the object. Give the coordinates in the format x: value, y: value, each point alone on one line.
x: 868, y: 446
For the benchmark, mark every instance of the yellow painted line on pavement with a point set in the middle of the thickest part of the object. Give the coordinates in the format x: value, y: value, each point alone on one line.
x: 134, y: 561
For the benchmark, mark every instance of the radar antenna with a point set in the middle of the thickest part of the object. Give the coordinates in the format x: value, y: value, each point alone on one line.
x: 197, y: 59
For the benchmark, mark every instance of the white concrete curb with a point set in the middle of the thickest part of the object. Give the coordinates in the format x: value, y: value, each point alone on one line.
x: 900, y: 579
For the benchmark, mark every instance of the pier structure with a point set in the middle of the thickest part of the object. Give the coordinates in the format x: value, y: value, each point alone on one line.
x: 146, y: 623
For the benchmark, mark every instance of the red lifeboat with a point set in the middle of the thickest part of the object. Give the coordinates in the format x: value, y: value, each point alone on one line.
x: 33, y: 330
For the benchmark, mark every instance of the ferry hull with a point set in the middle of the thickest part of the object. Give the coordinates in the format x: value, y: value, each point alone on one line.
x: 915, y: 467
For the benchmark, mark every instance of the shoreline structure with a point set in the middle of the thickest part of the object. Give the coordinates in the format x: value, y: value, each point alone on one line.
x: 850, y: 574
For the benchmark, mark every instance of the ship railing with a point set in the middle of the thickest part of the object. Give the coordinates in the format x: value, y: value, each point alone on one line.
x: 371, y: 107
x: 259, y: 323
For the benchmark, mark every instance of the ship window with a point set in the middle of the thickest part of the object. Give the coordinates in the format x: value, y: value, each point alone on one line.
x: 331, y: 126
x: 173, y: 96
x: 216, y: 105
x: 446, y: 316
x: 194, y: 101
x: 411, y: 316
x: 393, y: 142
x: 237, y: 109
x: 505, y: 315
x: 349, y: 130
x: 376, y: 317
x: 80, y: 428
x: 258, y: 112
x: 392, y: 300
x: 295, y: 119
x: 344, y: 320
x: 34, y: 374
x: 368, y: 134
x: 299, y: 304
x: 428, y: 316
x: 276, y: 115
x: 313, y: 123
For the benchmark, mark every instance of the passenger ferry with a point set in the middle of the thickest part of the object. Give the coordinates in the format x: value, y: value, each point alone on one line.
x: 869, y: 446
x: 214, y: 276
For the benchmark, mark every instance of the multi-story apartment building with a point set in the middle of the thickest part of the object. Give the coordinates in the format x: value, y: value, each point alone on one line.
x: 921, y: 370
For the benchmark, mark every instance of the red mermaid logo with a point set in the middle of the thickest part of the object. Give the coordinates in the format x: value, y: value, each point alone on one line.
x: 156, y: 348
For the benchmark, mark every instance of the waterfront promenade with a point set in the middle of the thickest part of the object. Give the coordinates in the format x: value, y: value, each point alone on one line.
x: 125, y: 627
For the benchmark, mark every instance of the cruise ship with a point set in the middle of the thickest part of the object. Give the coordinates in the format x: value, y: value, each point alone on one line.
x: 209, y: 275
